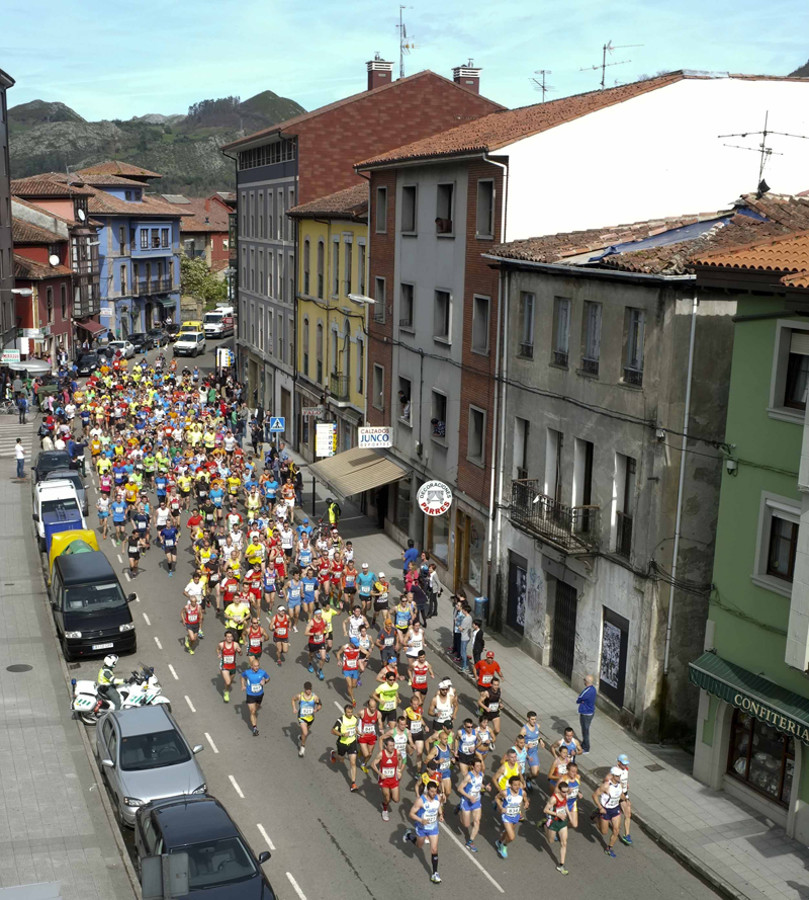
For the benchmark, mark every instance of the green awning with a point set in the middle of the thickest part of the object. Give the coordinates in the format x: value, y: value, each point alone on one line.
x: 753, y: 694
x: 167, y: 301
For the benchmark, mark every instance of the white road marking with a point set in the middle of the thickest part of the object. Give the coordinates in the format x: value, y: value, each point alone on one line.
x: 210, y: 741
x: 339, y: 706
x: 171, y: 669
x: 190, y: 704
x: 120, y: 558
x: 297, y: 887
x: 146, y: 619
x: 266, y: 837
x: 126, y: 575
x: 157, y: 641
x: 471, y: 858
x: 236, y: 786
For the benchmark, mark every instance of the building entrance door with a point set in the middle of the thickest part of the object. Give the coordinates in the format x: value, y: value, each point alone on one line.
x: 564, y: 629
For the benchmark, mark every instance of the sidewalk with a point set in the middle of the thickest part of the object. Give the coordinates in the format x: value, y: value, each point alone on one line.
x: 738, y: 852
x: 53, y: 824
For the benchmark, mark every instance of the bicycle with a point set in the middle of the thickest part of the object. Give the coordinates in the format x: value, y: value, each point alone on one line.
x: 9, y: 407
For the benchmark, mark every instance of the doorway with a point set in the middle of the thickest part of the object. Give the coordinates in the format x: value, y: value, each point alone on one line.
x: 564, y: 629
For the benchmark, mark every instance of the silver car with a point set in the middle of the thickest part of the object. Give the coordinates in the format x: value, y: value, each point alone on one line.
x: 144, y: 757
x: 127, y: 348
x: 74, y: 478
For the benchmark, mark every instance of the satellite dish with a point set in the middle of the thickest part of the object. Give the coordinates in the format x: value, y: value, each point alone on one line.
x: 53, y: 259
x: 81, y: 214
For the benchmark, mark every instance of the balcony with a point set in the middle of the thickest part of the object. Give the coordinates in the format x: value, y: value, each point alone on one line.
x: 572, y: 528
x: 144, y: 287
x: 623, y: 543
x: 589, y: 366
x: 633, y: 376
x: 560, y: 358
x: 338, y: 386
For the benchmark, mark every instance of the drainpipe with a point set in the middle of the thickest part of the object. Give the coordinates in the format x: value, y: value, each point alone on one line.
x: 503, y: 307
x: 681, y: 484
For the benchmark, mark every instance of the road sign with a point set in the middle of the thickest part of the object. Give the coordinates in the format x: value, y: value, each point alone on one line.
x: 325, y: 438
x: 277, y: 423
x: 313, y: 412
x: 379, y: 437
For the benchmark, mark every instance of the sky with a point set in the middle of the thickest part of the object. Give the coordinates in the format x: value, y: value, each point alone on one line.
x: 155, y: 57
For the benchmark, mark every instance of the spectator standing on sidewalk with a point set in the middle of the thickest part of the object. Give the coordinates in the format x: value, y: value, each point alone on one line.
x: 19, y: 455
x: 457, y: 617
x: 22, y: 406
x: 478, y: 643
x: 410, y: 555
x: 465, y: 627
x: 587, y: 709
x: 434, y: 592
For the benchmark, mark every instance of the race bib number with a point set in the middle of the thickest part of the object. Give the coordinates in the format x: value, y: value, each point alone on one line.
x: 389, y: 772
x: 256, y: 689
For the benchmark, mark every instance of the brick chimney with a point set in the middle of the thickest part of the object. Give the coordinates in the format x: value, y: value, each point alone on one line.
x: 467, y: 76
x: 379, y: 72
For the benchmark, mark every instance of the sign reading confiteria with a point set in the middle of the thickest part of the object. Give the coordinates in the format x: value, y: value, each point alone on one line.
x: 771, y: 716
x: 379, y: 437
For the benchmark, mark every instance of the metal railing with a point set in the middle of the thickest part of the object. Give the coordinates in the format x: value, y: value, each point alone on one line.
x: 573, y: 528
x: 526, y: 350
x: 338, y: 386
x: 623, y: 543
x: 589, y: 366
x: 560, y: 357
x: 633, y: 376
x: 145, y: 286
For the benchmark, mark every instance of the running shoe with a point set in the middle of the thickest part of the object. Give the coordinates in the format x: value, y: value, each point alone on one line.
x: 435, y: 878
x: 385, y: 816
x: 562, y: 870
x: 407, y: 836
x: 191, y: 652
x: 359, y: 682
x: 502, y: 851
x: 255, y: 731
x: 333, y: 757
x: 610, y: 852
x: 320, y: 674
x: 311, y: 669
x: 295, y: 628
x: 171, y: 574
x: 328, y: 657
x: 457, y: 809
x: 201, y: 633
x: 278, y: 662
x: 226, y: 696
x: 364, y: 768
x: 187, y: 645
x: 626, y: 838
x: 470, y: 846
x: 301, y: 750
x: 353, y: 787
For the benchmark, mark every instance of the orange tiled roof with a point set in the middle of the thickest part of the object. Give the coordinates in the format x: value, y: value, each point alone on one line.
x: 350, y: 203
x: 48, y: 184
x: 25, y: 233
x: 102, y: 178
x: 116, y: 167
x: 196, y: 210
x: 788, y: 254
x: 27, y: 269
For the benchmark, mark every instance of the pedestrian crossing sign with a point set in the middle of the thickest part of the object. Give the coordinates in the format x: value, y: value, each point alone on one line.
x: 277, y: 423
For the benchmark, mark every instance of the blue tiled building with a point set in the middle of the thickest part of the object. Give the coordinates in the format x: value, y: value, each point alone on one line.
x: 139, y: 248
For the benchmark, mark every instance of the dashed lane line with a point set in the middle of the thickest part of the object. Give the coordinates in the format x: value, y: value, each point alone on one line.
x: 174, y: 674
x: 210, y: 741
x: 146, y: 619
x: 471, y: 858
x: 157, y: 641
x: 297, y: 887
x: 190, y: 704
x: 236, y: 786
x: 266, y: 837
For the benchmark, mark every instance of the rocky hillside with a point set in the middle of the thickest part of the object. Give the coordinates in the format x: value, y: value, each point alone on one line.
x: 801, y: 71
x: 183, y: 148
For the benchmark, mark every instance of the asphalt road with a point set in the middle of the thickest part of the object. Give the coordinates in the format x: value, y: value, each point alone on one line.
x: 326, y: 842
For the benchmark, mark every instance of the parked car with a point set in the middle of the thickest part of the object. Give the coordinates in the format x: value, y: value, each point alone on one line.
x: 47, y: 461
x: 159, y: 336
x: 220, y: 862
x: 74, y: 478
x: 141, y: 341
x: 88, y: 362
x: 89, y: 606
x: 144, y: 757
x: 172, y: 331
x: 56, y: 508
x: 189, y: 343
x: 126, y: 348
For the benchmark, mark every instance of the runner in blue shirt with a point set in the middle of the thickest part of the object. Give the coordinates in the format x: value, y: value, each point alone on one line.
x: 161, y: 483
x: 365, y: 582
x: 253, y: 681
x: 168, y: 538
x: 118, y: 508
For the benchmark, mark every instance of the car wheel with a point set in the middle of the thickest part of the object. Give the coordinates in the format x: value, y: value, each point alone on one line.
x: 67, y: 653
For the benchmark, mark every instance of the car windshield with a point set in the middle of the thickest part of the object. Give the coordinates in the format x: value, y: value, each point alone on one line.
x: 213, y: 318
x: 137, y: 336
x: 153, y: 751
x: 94, y: 597
x: 222, y: 861
x: 63, y: 504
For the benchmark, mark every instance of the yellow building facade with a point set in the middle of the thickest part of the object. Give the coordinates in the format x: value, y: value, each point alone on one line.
x: 331, y: 332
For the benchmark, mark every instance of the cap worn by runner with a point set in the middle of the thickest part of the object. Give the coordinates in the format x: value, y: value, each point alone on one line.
x: 281, y: 609
x: 623, y: 759
x: 490, y: 654
x: 446, y: 683
x: 381, y: 574
x: 615, y: 771
x: 365, y: 565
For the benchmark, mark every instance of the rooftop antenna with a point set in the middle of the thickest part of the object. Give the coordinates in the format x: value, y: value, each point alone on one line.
x: 763, y: 150
x: 609, y: 48
x: 405, y: 44
x: 540, y: 84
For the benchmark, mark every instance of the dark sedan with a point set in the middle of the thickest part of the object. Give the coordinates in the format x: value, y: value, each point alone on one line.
x: 172, y: 331
x: 141, y: 341
x: 47, y: 461
x: 87, y: 363
x: 159, y: 336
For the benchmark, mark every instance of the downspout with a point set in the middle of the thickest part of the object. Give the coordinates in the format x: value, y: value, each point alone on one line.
x: 235, y: 294
x: 504, y: 291
x: 681, y: 484
x: 366, y: 325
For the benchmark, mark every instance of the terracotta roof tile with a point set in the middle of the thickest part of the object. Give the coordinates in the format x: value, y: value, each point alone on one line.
x: 195, y: 211
x: 116, y: 167
x: 350, y: 203
x: 27, y: 269
x: 103, y: 204
x: 102, y: 178
x: 25, y: 233
x: 48, y: 184
x: 787, y: 253
x: 797, y: 280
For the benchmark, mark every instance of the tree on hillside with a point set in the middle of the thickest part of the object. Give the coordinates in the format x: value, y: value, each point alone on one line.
x: 197, y: 281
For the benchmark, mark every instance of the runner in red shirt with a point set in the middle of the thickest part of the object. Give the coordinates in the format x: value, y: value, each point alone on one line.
x: 486, y: 670
x: 192, y: 619
x: 226, y: 651
x: 316, y: 632
x: 255, y: 636
x: 369, y: 729
x: 386, y: 766
x: 230, y: 587
x: 254, y: 582
x: 349, y: 657
x: 419, y: 673
x: 280, y: 633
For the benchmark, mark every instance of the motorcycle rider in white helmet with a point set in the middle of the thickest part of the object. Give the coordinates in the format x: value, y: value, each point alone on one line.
x: 106, y: 680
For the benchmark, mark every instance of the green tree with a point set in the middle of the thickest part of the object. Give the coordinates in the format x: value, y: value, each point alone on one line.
x: 197, y: 281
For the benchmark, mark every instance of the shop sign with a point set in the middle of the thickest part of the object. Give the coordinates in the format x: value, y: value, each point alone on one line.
x: 376, y: 438
x: 771, y: 716
x: 313, y: 412
x: 325, y: 439
x: 434, y: 498
x: 10, y: 356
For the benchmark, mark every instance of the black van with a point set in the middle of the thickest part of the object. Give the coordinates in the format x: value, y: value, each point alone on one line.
x: 89, y: 606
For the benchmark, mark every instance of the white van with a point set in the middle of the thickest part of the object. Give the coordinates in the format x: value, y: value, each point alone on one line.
x: 219, y: 322
x: 189, y: 343
x: 55, y: 496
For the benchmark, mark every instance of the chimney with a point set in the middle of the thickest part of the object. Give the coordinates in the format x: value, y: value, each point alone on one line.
x: 467, y: 76
x: 379, y: 72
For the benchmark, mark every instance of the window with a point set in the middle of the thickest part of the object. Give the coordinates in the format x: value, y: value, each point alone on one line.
x: 381, y: 217
x: 156, y: 238
x: 408, y: 221
x: 63, y: 301
x: 321, y: 252
x: 443, y: 208
x: 441, y: 315
x: 633, y: 346
x: 123, y: 280
x: 438, y: 538
x: 561, y: 331
x: 360, y: 365
x: 49, y: 305
x: 380, y: 299
x: 405, y: 401
x: 334, y: 360
x: 305, y: 343
x: 270, y: 214
x: 335, y: 268
x: 244, y: 265
x: 476, y: 435
x: 526, y: 325
x: 164, y: 237
x: 261, y: 214
x: 144, y: 239
x: 484, y: 219
x: 270, y: 319
x: 290, y: 340
x: 406, y: 306
x: 625, y: 470
x: 480, y: 324
x: 252, y: 214
x: 306, y: 254
x: 127, y: 195
x: 348, y: 258
x: 378, y: 398
x: 319, y: 353
x: 281, y: 211
x: 260, y: 276
x: 591, y: 338
x: 519, y: 471
x: 781, y: 548
x: 553, y: 464
x: 438, y: 417
x: 762, y: 757
x: 290, y: 277
x: 583, y: 485
x: 290, y: 223
x: 121, y: 240
x: 797, y: 370
x: 361, y: 267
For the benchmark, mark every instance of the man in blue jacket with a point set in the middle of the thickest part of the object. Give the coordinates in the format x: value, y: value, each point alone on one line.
x: 587, y: 709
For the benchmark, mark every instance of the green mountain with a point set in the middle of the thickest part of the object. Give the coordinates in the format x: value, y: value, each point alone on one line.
x: 185, y: 149
x: 801, y: 71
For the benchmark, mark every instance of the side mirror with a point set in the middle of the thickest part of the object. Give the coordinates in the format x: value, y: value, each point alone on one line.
x: 131, y: 598
x: 197, y: 748
x: 107, y: 763
x: 263, y: 857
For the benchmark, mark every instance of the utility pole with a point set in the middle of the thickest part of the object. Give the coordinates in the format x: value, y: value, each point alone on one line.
x: 405, y: 45
x: 540, y: 84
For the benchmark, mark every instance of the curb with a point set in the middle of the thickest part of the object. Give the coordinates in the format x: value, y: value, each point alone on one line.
x: 701, y: 870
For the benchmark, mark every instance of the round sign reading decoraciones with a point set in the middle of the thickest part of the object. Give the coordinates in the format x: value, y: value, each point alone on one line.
x: 434, y: 498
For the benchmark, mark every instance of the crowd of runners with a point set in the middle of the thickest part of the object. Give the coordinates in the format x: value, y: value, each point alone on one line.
x: 166, y: 446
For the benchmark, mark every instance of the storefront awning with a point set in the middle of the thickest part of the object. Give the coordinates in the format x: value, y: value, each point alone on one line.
x: 753, y: 694
x: 167, y: 301
x: 357, y: 470
x: 90, y: 325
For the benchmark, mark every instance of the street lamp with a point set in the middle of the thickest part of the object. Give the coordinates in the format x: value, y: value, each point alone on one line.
x: 361, y: 299
x: 20, y: 292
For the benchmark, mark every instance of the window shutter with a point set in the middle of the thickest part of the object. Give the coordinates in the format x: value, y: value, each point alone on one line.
x: 799, y: 343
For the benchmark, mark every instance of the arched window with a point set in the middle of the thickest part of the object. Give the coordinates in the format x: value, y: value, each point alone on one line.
x: 306, y: 250
x: 319, y: 352
x: 321, y: 252
x: 345, y: 367
x: 306, y: 345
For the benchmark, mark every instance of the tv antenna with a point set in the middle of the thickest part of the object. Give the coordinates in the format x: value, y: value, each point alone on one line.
x: 764, y: 151
x: 540, y: 84
x: 406, y: 44
x: 609, y: 48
